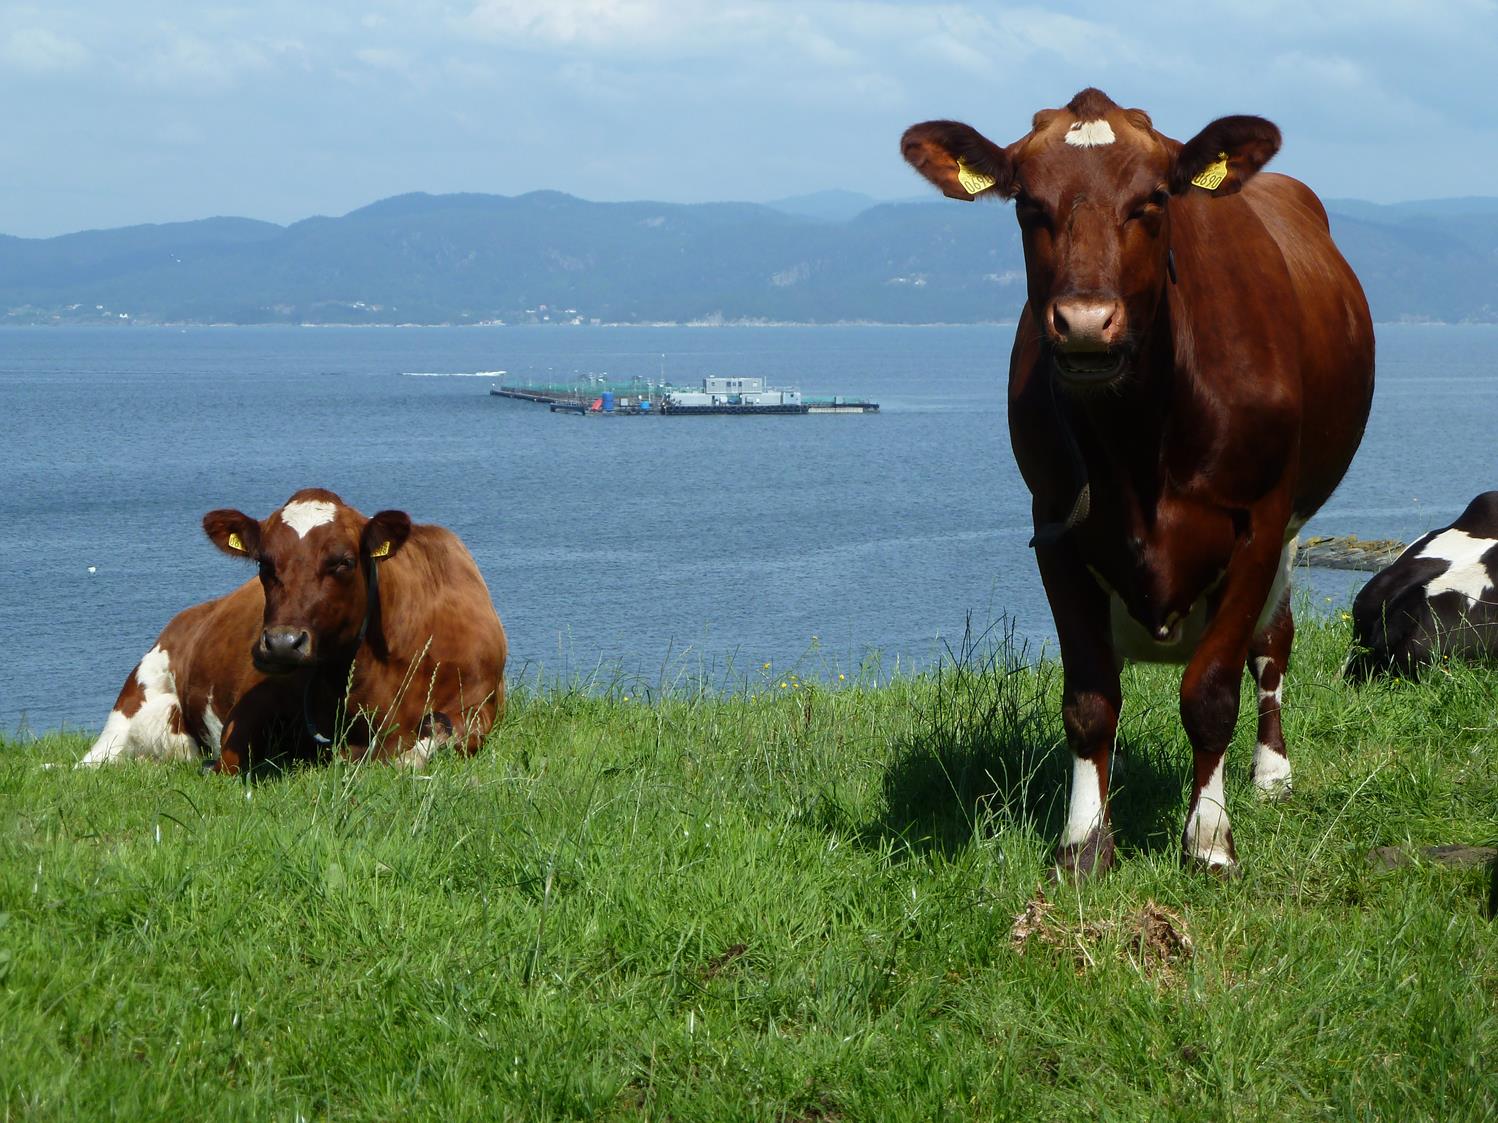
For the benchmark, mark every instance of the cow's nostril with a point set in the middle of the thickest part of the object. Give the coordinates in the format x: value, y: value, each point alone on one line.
x: 1088, y: 324
x: 286, y: 643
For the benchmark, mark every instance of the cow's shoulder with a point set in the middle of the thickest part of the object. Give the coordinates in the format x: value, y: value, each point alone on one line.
x: 211, y: 643
x: 1284, y: 199
x: 200, y: 629
x: 442, y: 557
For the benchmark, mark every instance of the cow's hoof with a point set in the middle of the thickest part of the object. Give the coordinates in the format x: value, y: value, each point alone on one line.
x: 1215, y: 866
x: 1279, y: 792
x: 1093, y: 855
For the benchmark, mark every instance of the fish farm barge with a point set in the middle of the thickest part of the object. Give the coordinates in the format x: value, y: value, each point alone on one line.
x: 731, y: 396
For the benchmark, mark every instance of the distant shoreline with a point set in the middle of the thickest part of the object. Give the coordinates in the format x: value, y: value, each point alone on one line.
x: 112, y: 325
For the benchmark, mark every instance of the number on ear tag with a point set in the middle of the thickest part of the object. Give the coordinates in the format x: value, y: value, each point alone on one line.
x: 381, y: 550
x: 973, y: 182
x: 1210, y: 178
x: 235, y: 542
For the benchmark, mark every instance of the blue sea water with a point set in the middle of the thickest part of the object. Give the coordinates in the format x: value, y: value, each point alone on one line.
x: 651, y: 547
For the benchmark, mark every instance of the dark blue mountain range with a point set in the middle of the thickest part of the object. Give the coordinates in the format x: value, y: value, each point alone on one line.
x: 551, y: 257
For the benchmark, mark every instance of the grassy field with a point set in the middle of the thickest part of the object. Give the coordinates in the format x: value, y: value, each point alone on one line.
x: 800, y: 902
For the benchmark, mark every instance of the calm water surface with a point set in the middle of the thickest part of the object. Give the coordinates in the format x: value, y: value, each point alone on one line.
x: 648, y: 545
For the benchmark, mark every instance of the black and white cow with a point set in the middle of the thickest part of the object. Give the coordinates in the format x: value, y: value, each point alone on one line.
x: 1439, y: 597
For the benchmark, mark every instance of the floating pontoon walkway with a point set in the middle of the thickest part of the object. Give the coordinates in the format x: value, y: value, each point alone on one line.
x: 642, y: 399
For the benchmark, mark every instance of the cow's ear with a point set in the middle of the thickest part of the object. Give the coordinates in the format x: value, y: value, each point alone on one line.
x: 233, y: 532
x: 385, y: 534
x: 1225, y: 155
x: 959, y: 159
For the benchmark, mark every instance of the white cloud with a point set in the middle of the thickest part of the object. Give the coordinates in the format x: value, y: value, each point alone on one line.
x: 186, y: 60
x: 39, y: 51
x: 383, y: 58
x: 182, y: 58
x: 594, y: 23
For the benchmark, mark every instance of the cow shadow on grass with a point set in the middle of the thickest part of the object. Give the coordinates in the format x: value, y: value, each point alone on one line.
x: 990, y: 755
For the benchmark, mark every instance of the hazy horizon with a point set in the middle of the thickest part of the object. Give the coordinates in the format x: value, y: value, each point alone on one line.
x: 872, y: 201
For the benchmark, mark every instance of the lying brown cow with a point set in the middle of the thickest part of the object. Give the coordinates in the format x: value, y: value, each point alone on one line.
x: 1189, y: 382
x: 374, y: 634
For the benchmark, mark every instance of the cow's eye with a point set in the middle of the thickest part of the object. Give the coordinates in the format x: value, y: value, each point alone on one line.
x: 344, y: 564
x: 267, y: 569
x: 1152, y: 205
x: 1030, y: 210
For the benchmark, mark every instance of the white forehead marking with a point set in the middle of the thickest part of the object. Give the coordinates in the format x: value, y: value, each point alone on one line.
x: 1090, y: 134
x: 303, y: 515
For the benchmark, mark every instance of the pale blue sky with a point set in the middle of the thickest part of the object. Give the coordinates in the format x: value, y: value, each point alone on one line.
x: 151, y: 110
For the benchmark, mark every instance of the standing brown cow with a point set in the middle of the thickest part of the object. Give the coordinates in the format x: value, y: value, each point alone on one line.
x: 372, y: 633
x: 1189, y: 382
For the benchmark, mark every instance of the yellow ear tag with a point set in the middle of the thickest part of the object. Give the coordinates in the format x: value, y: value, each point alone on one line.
x: 973, y: 182
x: 236, y: 543
x: 1210, y: 178
x: 381, y: 550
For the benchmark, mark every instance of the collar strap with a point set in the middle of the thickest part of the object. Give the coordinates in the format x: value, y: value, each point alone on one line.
x: 1048, y: 534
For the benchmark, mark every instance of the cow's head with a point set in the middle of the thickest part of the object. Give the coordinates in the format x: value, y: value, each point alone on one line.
x: 316, y: 555
x: 1091, y: 185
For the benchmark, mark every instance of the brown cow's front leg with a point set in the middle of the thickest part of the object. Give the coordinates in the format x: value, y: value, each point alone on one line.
x: 234, y: 748
x: 1090, y: 705
x: 1270, y: 655
x: 1209, y: 695
x: 247, y: 733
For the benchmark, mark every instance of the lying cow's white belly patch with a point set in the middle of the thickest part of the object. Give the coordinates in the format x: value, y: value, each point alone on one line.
x: 1090, y: 134
x: 112, y: 740
x: 147, y: 733
x: 1466, y: 575
x: 305, y: 514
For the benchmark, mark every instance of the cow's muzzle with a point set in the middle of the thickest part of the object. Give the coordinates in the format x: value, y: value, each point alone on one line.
x: 1089, y: 368
x: 282, y: 650
x: 1088, y: 337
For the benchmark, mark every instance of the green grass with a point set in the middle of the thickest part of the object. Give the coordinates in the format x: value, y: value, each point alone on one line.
x: 767, y: 903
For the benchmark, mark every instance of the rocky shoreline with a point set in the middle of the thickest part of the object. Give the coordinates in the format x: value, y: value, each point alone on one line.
x: 1348, y: 552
